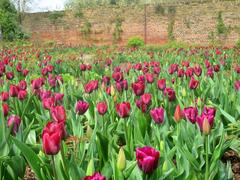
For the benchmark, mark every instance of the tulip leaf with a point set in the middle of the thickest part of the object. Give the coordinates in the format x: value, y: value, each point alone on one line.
x: 30, y: 155
x: 228, y: 116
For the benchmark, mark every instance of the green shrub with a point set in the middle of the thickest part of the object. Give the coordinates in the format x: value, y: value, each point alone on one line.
x: 135, y: 42
x: 238, y: 44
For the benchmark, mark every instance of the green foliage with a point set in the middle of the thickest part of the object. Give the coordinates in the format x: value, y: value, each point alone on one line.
x: 238, y: 44
x: 117, y: 29
x: 9, y: 24
x: 221, y: 27
x: 159, y: 9
x: 55, y: 16
x: 170, y: 29
x: 86, y: 30
x: 135, y: 42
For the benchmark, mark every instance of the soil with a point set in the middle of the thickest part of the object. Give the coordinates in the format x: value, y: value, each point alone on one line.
x: 234, y: 158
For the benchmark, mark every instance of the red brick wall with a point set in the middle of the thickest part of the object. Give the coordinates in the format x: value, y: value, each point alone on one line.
x: 194, y: 22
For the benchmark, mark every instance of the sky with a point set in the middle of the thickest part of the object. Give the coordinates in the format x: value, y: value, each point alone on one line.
x: 46, y: 5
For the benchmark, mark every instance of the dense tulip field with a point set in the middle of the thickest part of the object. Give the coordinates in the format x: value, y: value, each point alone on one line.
x: 123, y: 114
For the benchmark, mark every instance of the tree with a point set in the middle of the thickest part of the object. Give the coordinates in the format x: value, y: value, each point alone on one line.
x: 22, y: 6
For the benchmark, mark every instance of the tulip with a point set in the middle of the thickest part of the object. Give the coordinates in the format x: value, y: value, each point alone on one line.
x: 123, y: 109
x: 22, y: 85
x: 25, y: 72
x: 157, y: 115
x: 51, y: 141
x: 54, y: 126
x: 45, y: 94
x: 83, y: 67
x: 14, y: 121
x: 4, y: 96
x: 178, y: 114
x: 189, y: 72
x: 122, y: 85
x: 117, y: 76
x: 149, y: 78
x: 141, y: 105
x: 210, y: 72
x: 161, y: 84
x: 208, y: 114
x: 106, y: 80
x: 156, y: 70
x: 9, y: 75
x: 102, y: 108
x: 37, y: 83
x: 13, y: 90
x: 146, y: 98
x: 138, y: 88
x: 197, y: 70
x: 48, y: 103
x: 81, y: 107
x: 190, y: 113
x: 170, y: 93
x: 91, y: 86
x: 5, y: 109
x: 237, y: 85
x: 216, y: 67
x: 193, y: 84
x: 58, y: 114
x: 96, y: 176
x: 22, y: 94
x: 147, y: 159
x: 180, y: 72
x: 58, y: 97
x: 121, y: 161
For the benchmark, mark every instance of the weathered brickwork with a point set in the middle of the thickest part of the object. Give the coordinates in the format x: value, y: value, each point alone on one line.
x: 193, y: 23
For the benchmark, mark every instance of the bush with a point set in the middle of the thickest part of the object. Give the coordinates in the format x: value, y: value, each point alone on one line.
x: 135, y: 42
x: 238, y: 44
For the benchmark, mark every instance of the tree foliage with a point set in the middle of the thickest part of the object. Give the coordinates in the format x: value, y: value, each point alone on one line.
x: 9, y: 21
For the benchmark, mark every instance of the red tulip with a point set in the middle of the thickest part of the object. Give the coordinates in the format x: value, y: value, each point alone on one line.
x: 13, y: 90
x: 147, y: 159
x: 157, y: 115
x: 138, y: 88
x: 9, y: 75
x: 14, y: 121
x: 95, y: 176
x: 146, y: 98
x: 122, y: 85
x: 81, y: 107
x: 22, y: 94
x: 45, y: 94
x: 51, y: 141
x: 83, y: 67
x: 170, y: 93
x: 5, y: 109
x: 102, y: 108
x: 161, y: 84
x: 4, y: 96
x: 22, y: 85
x: 193, y: 84
x: 180, y: 72
x: 190, y: 113
x: 37, y: 83
x: 25, y: 72
x: 58, y: 97
x: 123, y: 109
x: 237, y: 85
x: 48, y: 103
x: 197, y: 70
x: 91, y: 86
x: 58, y: 114
x: 117, y: 76
x: 149, y: 78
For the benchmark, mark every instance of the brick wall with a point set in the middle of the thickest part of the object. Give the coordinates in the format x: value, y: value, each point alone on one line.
x: 193, y: 23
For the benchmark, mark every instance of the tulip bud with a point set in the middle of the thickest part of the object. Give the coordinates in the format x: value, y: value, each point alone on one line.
x: 177, y: 114
x: 165, y: 167
x: 206, y: 126
x: 121, y: 162
x: 184, y: 93
x: 199, y: 102
x: 162, y: 146
x: 112, y: 90
x: 90, y: 168
x: 89, y: 132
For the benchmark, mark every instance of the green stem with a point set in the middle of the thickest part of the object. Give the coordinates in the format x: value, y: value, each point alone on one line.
x: 63, y: 158
x: 206, y: 151
x: 54, y: 168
